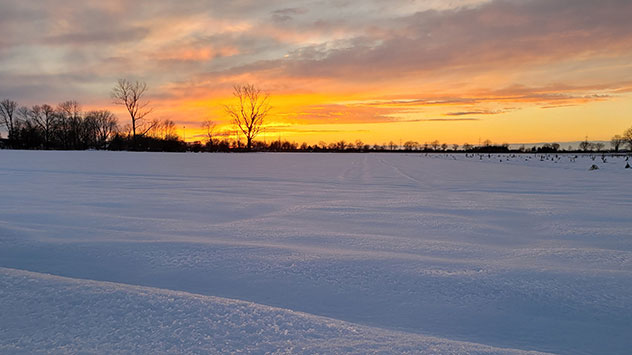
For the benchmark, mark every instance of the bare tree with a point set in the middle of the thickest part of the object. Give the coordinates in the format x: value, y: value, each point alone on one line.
x: 103, y: 125
x: 169, y: 130
x: 444, y: 147
x: 627, y: 137
x: 250, y: 111
x: 27, y: 133
x: 7, y: 114
x: 70, y: 122
x: 435, y: 144
x: 155, y: 129
x: 209, y: 126
x: 585, y: 145
x: 70, y: 108
x: 23, y: 115
x: 44, y: 116
x: 411, y: 145
x: 616, y: 142
x: 455, y: 147
x: 131, y: 95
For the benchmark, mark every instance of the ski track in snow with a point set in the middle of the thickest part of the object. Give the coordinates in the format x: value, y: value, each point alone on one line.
x: 415, y: 253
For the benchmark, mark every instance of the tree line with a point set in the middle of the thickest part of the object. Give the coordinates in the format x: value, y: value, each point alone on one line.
x: 66, y: 126
x: 63, y: 126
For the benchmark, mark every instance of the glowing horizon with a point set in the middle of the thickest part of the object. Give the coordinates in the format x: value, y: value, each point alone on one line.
x: 505, y: 70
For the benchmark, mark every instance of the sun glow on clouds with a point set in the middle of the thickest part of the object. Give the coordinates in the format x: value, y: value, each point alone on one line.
x: 510, y: 71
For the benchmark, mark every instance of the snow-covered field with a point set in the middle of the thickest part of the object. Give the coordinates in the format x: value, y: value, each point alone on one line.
x: 313, y: 253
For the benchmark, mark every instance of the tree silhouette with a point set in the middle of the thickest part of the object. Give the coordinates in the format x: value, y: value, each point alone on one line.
x: 131, y: 95
x: 44, y: 116
x: 9, y: 121
x: 209, y: 126
x: 250, y: 111
x: 627, y: 137
x: 411, y: 145
x: 616, y: 142
x: 70, y: 122
x: 103, y: 126
x: 585, y: 145
x: 169, y: 130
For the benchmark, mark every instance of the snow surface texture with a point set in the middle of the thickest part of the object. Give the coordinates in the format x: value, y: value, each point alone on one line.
x: 314, y: 253
x: 88, y: 316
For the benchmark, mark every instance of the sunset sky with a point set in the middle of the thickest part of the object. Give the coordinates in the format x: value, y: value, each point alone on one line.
x: 453, y: 70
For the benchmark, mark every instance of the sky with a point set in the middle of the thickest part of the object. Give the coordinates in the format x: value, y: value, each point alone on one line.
x: 457, y: 71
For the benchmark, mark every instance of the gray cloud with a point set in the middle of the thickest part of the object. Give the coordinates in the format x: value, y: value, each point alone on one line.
x: 469, y: 113
x: 63, y: 46
x: 116, y: 36
x: 287, y: 14
x: 484, y: 38
x: 444, y: 119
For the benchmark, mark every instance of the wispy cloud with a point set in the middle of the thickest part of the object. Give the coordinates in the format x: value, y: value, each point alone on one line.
x: 469, y: 113
x: 443, y: 119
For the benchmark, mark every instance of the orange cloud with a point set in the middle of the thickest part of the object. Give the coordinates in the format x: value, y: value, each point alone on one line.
x: 182, y: 53
x: 403, y: 68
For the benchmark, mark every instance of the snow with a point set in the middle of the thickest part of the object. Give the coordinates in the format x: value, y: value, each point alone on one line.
x: 314, y: 253
x: 70, y: 315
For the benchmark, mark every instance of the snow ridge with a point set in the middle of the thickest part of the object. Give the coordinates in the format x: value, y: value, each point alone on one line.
x: 50, y: 314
